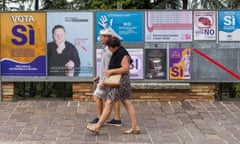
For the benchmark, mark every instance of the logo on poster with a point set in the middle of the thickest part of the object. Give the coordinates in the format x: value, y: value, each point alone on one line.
x: 134, y: 67
x: 229, y: 20
x: 177, y: 71
x: 209, y: 31
x: 24, y: 33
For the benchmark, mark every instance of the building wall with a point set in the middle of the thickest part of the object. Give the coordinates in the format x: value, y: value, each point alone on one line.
x: 196, y: 92
x: 83, y: 92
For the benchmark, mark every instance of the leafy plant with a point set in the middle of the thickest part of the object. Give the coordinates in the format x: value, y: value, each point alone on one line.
x: 237, y: 90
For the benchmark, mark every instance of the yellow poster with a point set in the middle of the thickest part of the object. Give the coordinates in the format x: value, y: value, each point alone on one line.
x: 23, y: 47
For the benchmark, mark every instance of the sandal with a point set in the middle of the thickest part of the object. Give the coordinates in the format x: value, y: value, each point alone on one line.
x: 132, y: 131
x: 92, y: 129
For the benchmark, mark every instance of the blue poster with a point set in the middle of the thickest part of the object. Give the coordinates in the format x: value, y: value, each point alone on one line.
x: 127, y: 26
x: 229, y: 25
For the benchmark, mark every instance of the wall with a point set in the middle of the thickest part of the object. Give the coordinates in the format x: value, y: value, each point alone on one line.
x: 83, y: 92
x: 197, y: 92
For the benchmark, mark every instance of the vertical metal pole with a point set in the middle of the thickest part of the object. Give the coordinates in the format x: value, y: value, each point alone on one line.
x: 220, y: 91
x: 36, y: 5
x: 4, y: 5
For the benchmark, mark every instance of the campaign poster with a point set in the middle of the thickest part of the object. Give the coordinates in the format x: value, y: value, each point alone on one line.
x: 179, y: 63
x: 155, y: 64
x: 23, y: 44
x: 229, y: 25
x: 136, y: 68
x: 168, y: 26
x: 204, y: 25
x: 127, y: 26
x: 74, y: 57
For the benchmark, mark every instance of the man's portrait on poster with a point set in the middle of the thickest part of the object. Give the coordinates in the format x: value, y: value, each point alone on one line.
x: 62, y: 55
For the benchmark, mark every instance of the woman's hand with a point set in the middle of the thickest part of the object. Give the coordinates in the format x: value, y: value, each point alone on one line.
x: 96, y: 79
x: 101, y: 85
x: 107, y: 73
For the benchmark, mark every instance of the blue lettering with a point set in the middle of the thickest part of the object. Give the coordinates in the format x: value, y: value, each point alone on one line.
x: 209, y: 32
x: 19, y: 31
x: 31, y: 35
x: 16, y: 31
x: 134, y: 64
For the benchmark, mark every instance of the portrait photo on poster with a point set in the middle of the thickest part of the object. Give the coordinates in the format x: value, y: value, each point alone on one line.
x: 63, y: 58
x: 76, y: 61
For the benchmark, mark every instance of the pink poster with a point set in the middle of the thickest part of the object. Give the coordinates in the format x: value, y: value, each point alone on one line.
x: 168, y: 26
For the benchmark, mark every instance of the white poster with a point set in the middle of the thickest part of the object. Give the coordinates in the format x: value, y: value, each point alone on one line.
x: 204, y: 25
x: 136, y: 68
x: 168, y: 26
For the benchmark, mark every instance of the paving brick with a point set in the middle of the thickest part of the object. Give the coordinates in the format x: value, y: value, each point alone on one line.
x: 164, y: 122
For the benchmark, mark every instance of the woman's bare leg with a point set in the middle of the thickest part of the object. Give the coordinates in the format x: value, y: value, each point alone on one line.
x: 131, y: 113
x: 105, y: 114
x: 117, y: 110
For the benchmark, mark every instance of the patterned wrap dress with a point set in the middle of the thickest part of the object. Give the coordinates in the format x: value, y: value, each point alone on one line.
x: 124, y: 91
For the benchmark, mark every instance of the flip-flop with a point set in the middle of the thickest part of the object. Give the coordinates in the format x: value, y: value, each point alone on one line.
x: 92, y: 129
x: 132, y: 131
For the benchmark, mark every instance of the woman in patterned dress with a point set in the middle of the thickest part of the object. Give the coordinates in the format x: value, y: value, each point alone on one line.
x: 119, y: 64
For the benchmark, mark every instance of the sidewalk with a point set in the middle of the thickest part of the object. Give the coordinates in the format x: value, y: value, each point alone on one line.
x: 63, y: 122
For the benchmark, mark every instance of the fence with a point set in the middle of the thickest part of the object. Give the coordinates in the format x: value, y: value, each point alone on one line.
x: 166, y: 46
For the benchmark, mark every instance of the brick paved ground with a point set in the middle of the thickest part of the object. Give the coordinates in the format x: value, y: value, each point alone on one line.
x: 57, y: 121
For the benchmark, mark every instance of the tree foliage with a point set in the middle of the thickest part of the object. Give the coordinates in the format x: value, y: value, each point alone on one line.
x: 132, y: 4
x: 52, y: 5
x: 123, y: 4
x: 142, y: 4
x: 209, y: 4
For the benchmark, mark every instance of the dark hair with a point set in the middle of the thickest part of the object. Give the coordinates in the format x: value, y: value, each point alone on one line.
x: 113, y: 42
x: 56, y: 27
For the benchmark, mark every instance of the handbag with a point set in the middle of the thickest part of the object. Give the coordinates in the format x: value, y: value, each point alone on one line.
x: 113, y: 80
